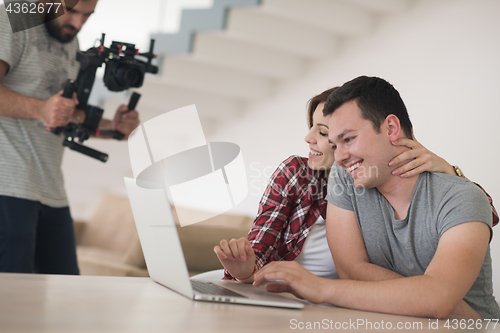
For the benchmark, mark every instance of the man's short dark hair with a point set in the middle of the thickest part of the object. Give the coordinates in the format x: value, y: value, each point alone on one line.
x: 376, y: 98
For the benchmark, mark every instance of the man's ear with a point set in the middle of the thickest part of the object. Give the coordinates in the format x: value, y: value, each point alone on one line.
x: 393, y: 127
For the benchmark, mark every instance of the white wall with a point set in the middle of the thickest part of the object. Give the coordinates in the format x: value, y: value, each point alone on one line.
x: 86, y: 179
x: 127, y: 21
x: 444, y: 59
x: 442, y: 55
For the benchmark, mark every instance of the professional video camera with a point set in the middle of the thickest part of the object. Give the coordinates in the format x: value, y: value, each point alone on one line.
x: 122, y: 71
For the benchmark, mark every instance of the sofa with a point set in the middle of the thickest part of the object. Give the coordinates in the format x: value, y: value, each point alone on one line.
x: 108, y: 244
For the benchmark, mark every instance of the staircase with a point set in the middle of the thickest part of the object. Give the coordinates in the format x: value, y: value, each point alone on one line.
x: 238, y: 51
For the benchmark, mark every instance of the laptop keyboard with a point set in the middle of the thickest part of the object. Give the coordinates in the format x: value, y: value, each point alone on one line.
x: 212, y: 289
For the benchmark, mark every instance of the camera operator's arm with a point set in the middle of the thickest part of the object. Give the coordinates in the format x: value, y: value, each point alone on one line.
x: 124, y: 121
x: 53, y: 112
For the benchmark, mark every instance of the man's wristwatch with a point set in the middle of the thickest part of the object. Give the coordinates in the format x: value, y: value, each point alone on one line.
x: 458, y: 171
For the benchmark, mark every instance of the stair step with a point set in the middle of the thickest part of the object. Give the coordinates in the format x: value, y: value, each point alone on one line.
x: 330, y: 15
x: 192, y: 72
x: 194, y: 20
x: 381, y: 6
x: 236, y: 52
x: 267, y: 28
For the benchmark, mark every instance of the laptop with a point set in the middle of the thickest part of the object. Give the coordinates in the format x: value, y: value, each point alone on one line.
x: 165, y: 260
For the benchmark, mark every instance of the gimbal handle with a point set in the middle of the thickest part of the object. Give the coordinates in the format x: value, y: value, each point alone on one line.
x: 69, y: 89
x: 68, y: 142
x: 132, y: 104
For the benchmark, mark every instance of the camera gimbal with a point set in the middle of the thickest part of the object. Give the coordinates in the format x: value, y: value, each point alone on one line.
x: 122, y: 71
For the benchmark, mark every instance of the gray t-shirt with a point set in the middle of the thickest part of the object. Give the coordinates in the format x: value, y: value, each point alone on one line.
x: 31, y: 156
x: 407, y: 246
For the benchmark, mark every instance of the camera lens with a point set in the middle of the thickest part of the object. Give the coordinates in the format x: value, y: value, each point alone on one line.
x: 129, y: 76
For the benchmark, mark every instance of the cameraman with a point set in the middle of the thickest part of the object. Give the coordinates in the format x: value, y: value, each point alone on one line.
x: 36, y: 229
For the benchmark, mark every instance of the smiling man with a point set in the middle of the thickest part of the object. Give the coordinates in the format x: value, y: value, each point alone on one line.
x: 411, y: 246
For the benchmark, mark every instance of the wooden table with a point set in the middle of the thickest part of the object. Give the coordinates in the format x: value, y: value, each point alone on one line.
x: 56, y: 303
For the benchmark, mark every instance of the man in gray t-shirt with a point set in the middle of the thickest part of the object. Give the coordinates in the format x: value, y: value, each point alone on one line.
x: 407, y: 246
x: 37, y: 56
x: 411, y: 246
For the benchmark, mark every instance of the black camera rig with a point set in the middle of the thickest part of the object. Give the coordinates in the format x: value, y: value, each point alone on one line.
x: 122, y: 71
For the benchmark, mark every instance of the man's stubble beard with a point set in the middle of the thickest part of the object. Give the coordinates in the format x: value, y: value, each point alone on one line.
x: 56, y: 31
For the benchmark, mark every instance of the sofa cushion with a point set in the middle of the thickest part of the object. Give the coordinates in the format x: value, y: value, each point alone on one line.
x: 98, y: 261
x: 112, y: 226
x: 109, y: 244
x: 134, y: 255
x: 198, y: 240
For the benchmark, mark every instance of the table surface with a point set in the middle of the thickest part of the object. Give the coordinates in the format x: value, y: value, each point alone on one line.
x: 56, y: 303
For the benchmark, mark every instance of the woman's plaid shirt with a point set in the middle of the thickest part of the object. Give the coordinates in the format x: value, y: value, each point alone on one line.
x: 292, y: 202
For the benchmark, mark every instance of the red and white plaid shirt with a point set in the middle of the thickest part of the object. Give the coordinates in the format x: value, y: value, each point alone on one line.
x: 493, y: 210
x: 291, y: 204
